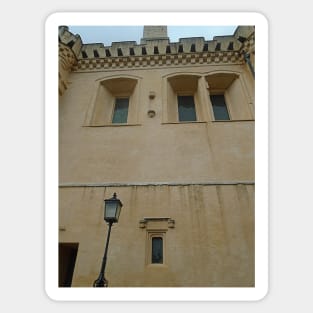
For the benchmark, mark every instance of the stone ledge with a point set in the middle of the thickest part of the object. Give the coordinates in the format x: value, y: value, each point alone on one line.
x: 131, y: 184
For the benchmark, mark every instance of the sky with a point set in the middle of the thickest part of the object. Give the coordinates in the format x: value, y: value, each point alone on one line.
x: 109, y: 34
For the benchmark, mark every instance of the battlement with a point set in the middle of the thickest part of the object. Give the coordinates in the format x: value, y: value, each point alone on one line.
x: 74, y: 42
x: 155, y: 42
x: 160, y: 46
x: 154, y: 50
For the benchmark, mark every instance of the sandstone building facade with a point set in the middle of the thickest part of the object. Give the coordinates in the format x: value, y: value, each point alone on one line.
x: 169, y: 127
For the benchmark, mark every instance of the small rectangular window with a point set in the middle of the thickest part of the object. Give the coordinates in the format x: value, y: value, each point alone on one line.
x: 219, y: 107
x: 157, y: 250
x: 120, y: 110
x: 186, y: 108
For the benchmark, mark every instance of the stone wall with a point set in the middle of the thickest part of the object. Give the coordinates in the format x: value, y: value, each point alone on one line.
x: 209, y: 241
x: 191, y: 183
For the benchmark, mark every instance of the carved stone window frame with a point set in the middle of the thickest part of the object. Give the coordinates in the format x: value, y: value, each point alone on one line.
x: 156, y: 227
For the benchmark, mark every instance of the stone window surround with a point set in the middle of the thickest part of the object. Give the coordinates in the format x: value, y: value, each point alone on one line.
x: 101, y: 109
x: 150, y: 236
x: 155, y: 227
x: 201, y: 91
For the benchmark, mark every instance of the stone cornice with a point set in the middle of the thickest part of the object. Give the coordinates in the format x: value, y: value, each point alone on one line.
x: 67, y: 57
x: 161, y: 60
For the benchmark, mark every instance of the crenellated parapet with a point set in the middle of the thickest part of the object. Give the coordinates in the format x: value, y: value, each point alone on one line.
x: 69, y: 49
x: 246, y: 35
x: 74, y: 42
x: 159, y: 51
x: 154, y: 50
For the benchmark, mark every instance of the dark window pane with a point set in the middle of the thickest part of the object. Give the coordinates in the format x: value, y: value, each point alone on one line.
x: 120, y: 110
x: 157, y: 250
x: 186, y: 108
x: 219, y: 107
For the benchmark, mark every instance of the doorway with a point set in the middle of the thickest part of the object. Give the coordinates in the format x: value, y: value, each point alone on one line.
x: 67, y: 260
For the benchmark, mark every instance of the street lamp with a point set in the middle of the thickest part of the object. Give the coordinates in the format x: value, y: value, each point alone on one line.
x: 112, y: 210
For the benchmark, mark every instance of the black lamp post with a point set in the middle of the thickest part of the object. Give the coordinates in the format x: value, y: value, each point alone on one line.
x: 112, y: 210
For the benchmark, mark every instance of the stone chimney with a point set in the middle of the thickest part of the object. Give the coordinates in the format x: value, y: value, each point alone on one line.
x: 154, y: 33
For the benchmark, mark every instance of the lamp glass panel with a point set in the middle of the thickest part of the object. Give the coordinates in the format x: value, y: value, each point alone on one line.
x: 118, y: 210
x: 110, y: 209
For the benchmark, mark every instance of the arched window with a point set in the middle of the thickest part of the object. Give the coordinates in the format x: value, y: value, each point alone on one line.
x: 183, y: 101
x: 227, y: 97
x: 115, y: 102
